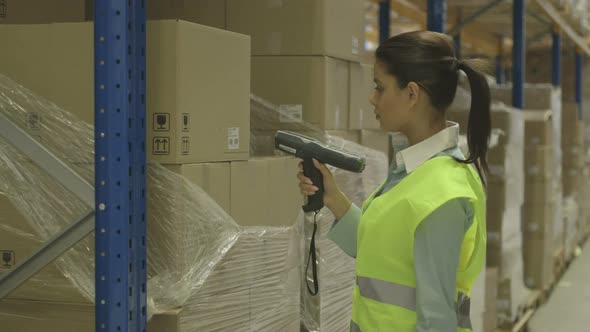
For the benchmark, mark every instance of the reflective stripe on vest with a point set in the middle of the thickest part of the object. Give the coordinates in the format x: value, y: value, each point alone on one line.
x: 405, y: 297
x: 387, y: 292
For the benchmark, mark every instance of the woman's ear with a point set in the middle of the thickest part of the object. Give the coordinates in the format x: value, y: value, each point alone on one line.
x: 414, y: 93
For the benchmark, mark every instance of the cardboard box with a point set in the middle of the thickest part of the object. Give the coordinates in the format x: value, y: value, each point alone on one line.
x: 572, y: 181
x: 262, y: 142
x: 539, y: 162
x: 573, y: 157
x: 491, y: 291
x: 570, y: 114
x: 538, y: 262
x: 377, y: 140
x: 258, y: 192
x: 572, y: 127
x: 572, y: 134
x: 256, y: 285
x: 495, y: 198
x: 362, y: 115
x: 505, y: 163
x: 193, y: 113
x: 206, y: 12
x: 536, y: 96
x: 539, y: 218
x: 19, y: 240
x: 218, y: 125
x: 504, y: 303
x: 537, y: 244
x: 539, y: 131
x: 349, y: 135
x: 538, y: 191
x: 296, y: 27
x: 40, y: 12
x: 311, y: 88
x: 213, y: 178
x: 497, y: 156
x: 507, y: 123
x: 265, y: 192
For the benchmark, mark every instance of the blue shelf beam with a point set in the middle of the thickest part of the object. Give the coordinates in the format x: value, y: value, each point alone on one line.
x: 435, y: 18
x: 384, y: 20
x: 556, y: 57
x: 518, y: 53
x: 578, y: 89
x: 120, y: 220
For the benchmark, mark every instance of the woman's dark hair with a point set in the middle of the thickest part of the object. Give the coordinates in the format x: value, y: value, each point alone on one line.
x: 428, y: 59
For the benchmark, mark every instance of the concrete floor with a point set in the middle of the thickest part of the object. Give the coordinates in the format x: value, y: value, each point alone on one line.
x: 568, y: 308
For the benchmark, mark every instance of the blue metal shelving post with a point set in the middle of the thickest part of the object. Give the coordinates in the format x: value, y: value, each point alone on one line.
x: 556, y: 58
x: 579, y: 63
x: 437, y: 10
x: 384, y: 20
x: 120, y: 165
x: 518, y: 52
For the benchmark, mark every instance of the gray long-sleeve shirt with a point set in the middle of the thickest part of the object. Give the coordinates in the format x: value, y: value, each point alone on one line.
x: 437, y: 246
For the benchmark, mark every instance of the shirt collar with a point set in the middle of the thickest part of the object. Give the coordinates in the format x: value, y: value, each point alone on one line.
x: 413, y: 156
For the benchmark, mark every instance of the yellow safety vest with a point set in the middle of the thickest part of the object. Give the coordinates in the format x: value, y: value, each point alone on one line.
x: 385, y: 293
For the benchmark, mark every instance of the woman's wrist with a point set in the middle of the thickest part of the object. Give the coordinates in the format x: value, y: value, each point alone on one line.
x: 339, y: 205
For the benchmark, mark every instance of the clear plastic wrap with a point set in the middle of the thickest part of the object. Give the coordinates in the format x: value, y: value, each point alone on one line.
x: 329, y: 310
x: 197, y: 255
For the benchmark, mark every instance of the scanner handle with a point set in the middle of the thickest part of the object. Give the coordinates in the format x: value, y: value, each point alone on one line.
x: 315, y: 202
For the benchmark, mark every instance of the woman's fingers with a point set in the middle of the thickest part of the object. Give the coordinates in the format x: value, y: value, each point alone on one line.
x: 307, y: 189
x: 303, y: 179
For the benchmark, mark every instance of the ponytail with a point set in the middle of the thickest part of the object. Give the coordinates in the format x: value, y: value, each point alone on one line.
x: 479, y: 125
x: 428, y: 58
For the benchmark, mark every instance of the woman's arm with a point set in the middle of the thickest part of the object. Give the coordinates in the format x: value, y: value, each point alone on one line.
x: 437, y: 248
x: 344, y: 231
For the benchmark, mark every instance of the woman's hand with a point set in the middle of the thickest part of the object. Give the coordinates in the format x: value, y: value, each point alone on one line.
x: 334, y: 199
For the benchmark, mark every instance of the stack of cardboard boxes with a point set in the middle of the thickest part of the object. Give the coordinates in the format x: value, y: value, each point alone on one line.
x: 306, y: 60
x: 540, y: 200
x: 573, y: 164
x: 505, y: 188
x: 199, y: 127
x: 542, y: 169
x: 306, y: 67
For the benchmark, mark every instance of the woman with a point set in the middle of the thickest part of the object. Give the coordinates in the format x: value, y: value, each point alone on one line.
x: 420, y: 239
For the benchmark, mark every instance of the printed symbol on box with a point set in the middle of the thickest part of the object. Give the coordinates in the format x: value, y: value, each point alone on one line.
x: 7, y: 258
x: 185, y: 121
x: 161, y: 122
x: 161, y: 145
x: 233, y: 138
x: 184, y: 145
x: 34, y: 121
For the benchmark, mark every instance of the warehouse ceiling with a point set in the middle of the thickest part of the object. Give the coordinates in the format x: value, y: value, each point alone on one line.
x: 480, y: 36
